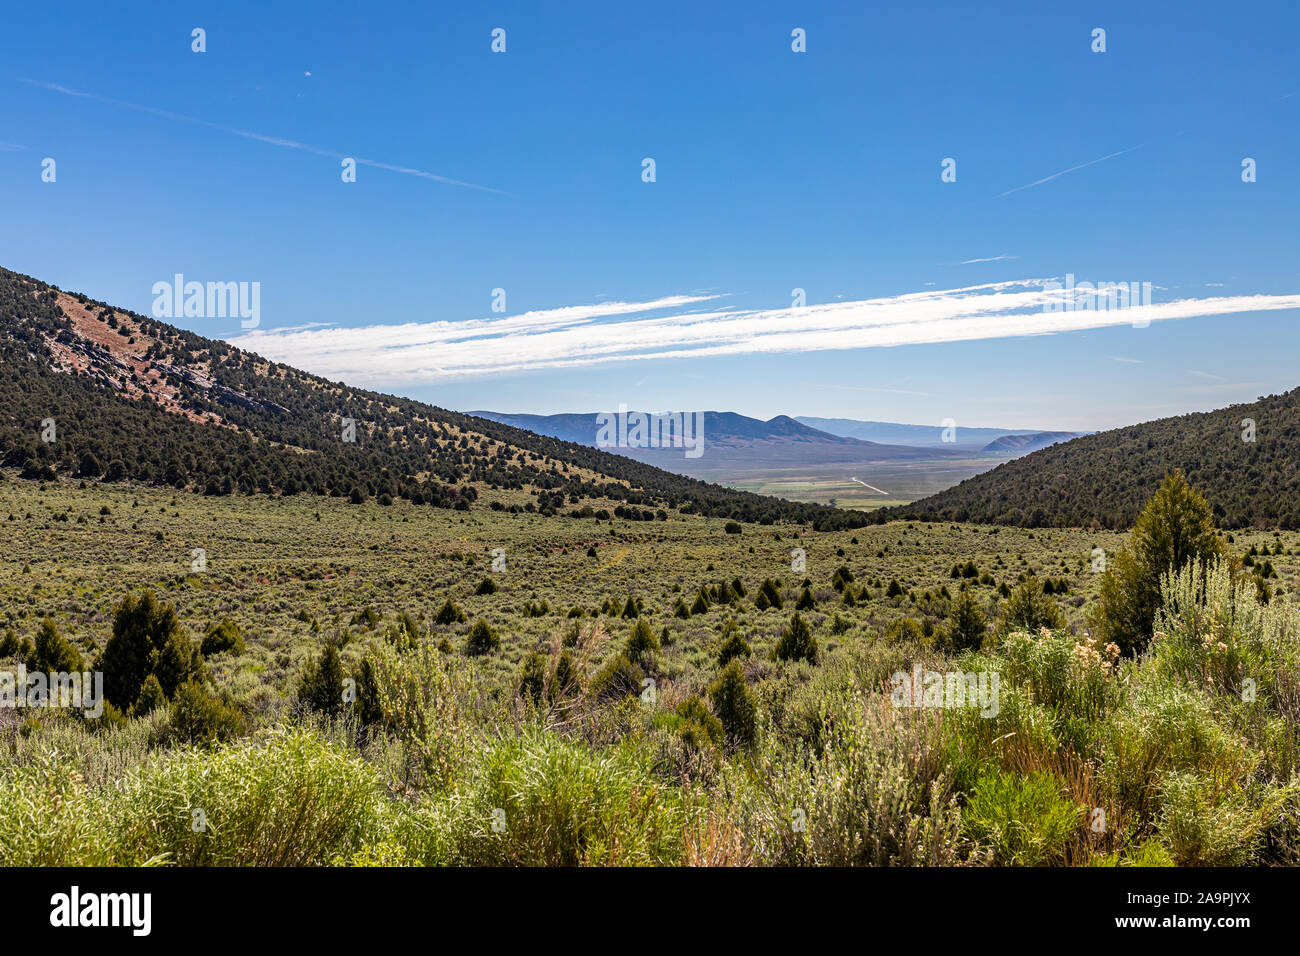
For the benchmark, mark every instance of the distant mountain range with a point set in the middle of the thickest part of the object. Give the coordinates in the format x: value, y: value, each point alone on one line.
x: 731, y: 441
x: 737, y: 444
x: 1024, y: 444
x: 923, y: 436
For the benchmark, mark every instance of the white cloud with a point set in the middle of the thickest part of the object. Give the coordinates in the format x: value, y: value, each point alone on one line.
x: 966, y: 262
x: 622, y: 332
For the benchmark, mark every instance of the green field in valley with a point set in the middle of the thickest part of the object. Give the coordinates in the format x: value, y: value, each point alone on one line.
x: 866, y: 486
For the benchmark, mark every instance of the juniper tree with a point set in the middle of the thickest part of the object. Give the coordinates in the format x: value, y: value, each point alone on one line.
x: 449, y: 613
x: 733, y: 703
x: 532, y: 678
x: 1029, y: 609
x: 482, y: 639
x: 564, y: 679
x: 796, y: 642
x: 1175, y: 529
x: 641, y: 642
x: 52, y: 652
x: 967, y: 624
x: 147, y: 638
x: 321, y: 688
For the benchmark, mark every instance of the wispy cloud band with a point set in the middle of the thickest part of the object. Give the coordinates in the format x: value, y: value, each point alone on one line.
x: 613, y: 332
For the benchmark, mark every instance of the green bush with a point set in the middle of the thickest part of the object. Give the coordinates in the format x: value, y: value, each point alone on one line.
x: 425, y: 698
x: 449, y: 613
x: 1069, y: 677
x: 564, y: 804
x: 878, y: 792
x: 733, y: 645
x: 619, y: 678
x: 197, y: 717
x: 284, y: 799
x: 698, y: 726
x: 367, y: 617
x: 967, y: 624
x: 1029, y: 610
x: 532, y: 678
x: 1025, y: 821
x: 1022, y: 732
x: 1150, y: 853
x: 367, y: 707
x: 151, y: 697
x: 407, y: 631
x: 222, y: 636
x: 1214, y: 632
x: 1202, y: 826
x: 904, y: 630
x: 49, y: 816
x: 1166, y: 727
x: 564, y: 678
x: 483, y: 639
x: 769, y: 595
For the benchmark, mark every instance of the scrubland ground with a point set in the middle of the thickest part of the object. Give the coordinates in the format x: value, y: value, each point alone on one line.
x: 618, y: 693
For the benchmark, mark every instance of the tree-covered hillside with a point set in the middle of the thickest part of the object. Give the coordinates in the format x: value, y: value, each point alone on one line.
x: 134, y: 398
x: 1244, y: 458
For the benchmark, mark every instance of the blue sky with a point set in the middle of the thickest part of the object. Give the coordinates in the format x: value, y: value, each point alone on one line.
x: 775, y: 170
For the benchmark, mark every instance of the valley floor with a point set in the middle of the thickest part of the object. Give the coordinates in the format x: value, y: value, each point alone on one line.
x: 865, y: 486
x: 606, y: 771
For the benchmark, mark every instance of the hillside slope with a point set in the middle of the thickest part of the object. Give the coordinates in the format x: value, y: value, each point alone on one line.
x: 131, y: 397
x: 1103, y: 479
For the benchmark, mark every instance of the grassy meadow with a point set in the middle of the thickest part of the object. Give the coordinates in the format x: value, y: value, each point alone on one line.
x: 617, y: 692
x: 268, y: 560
